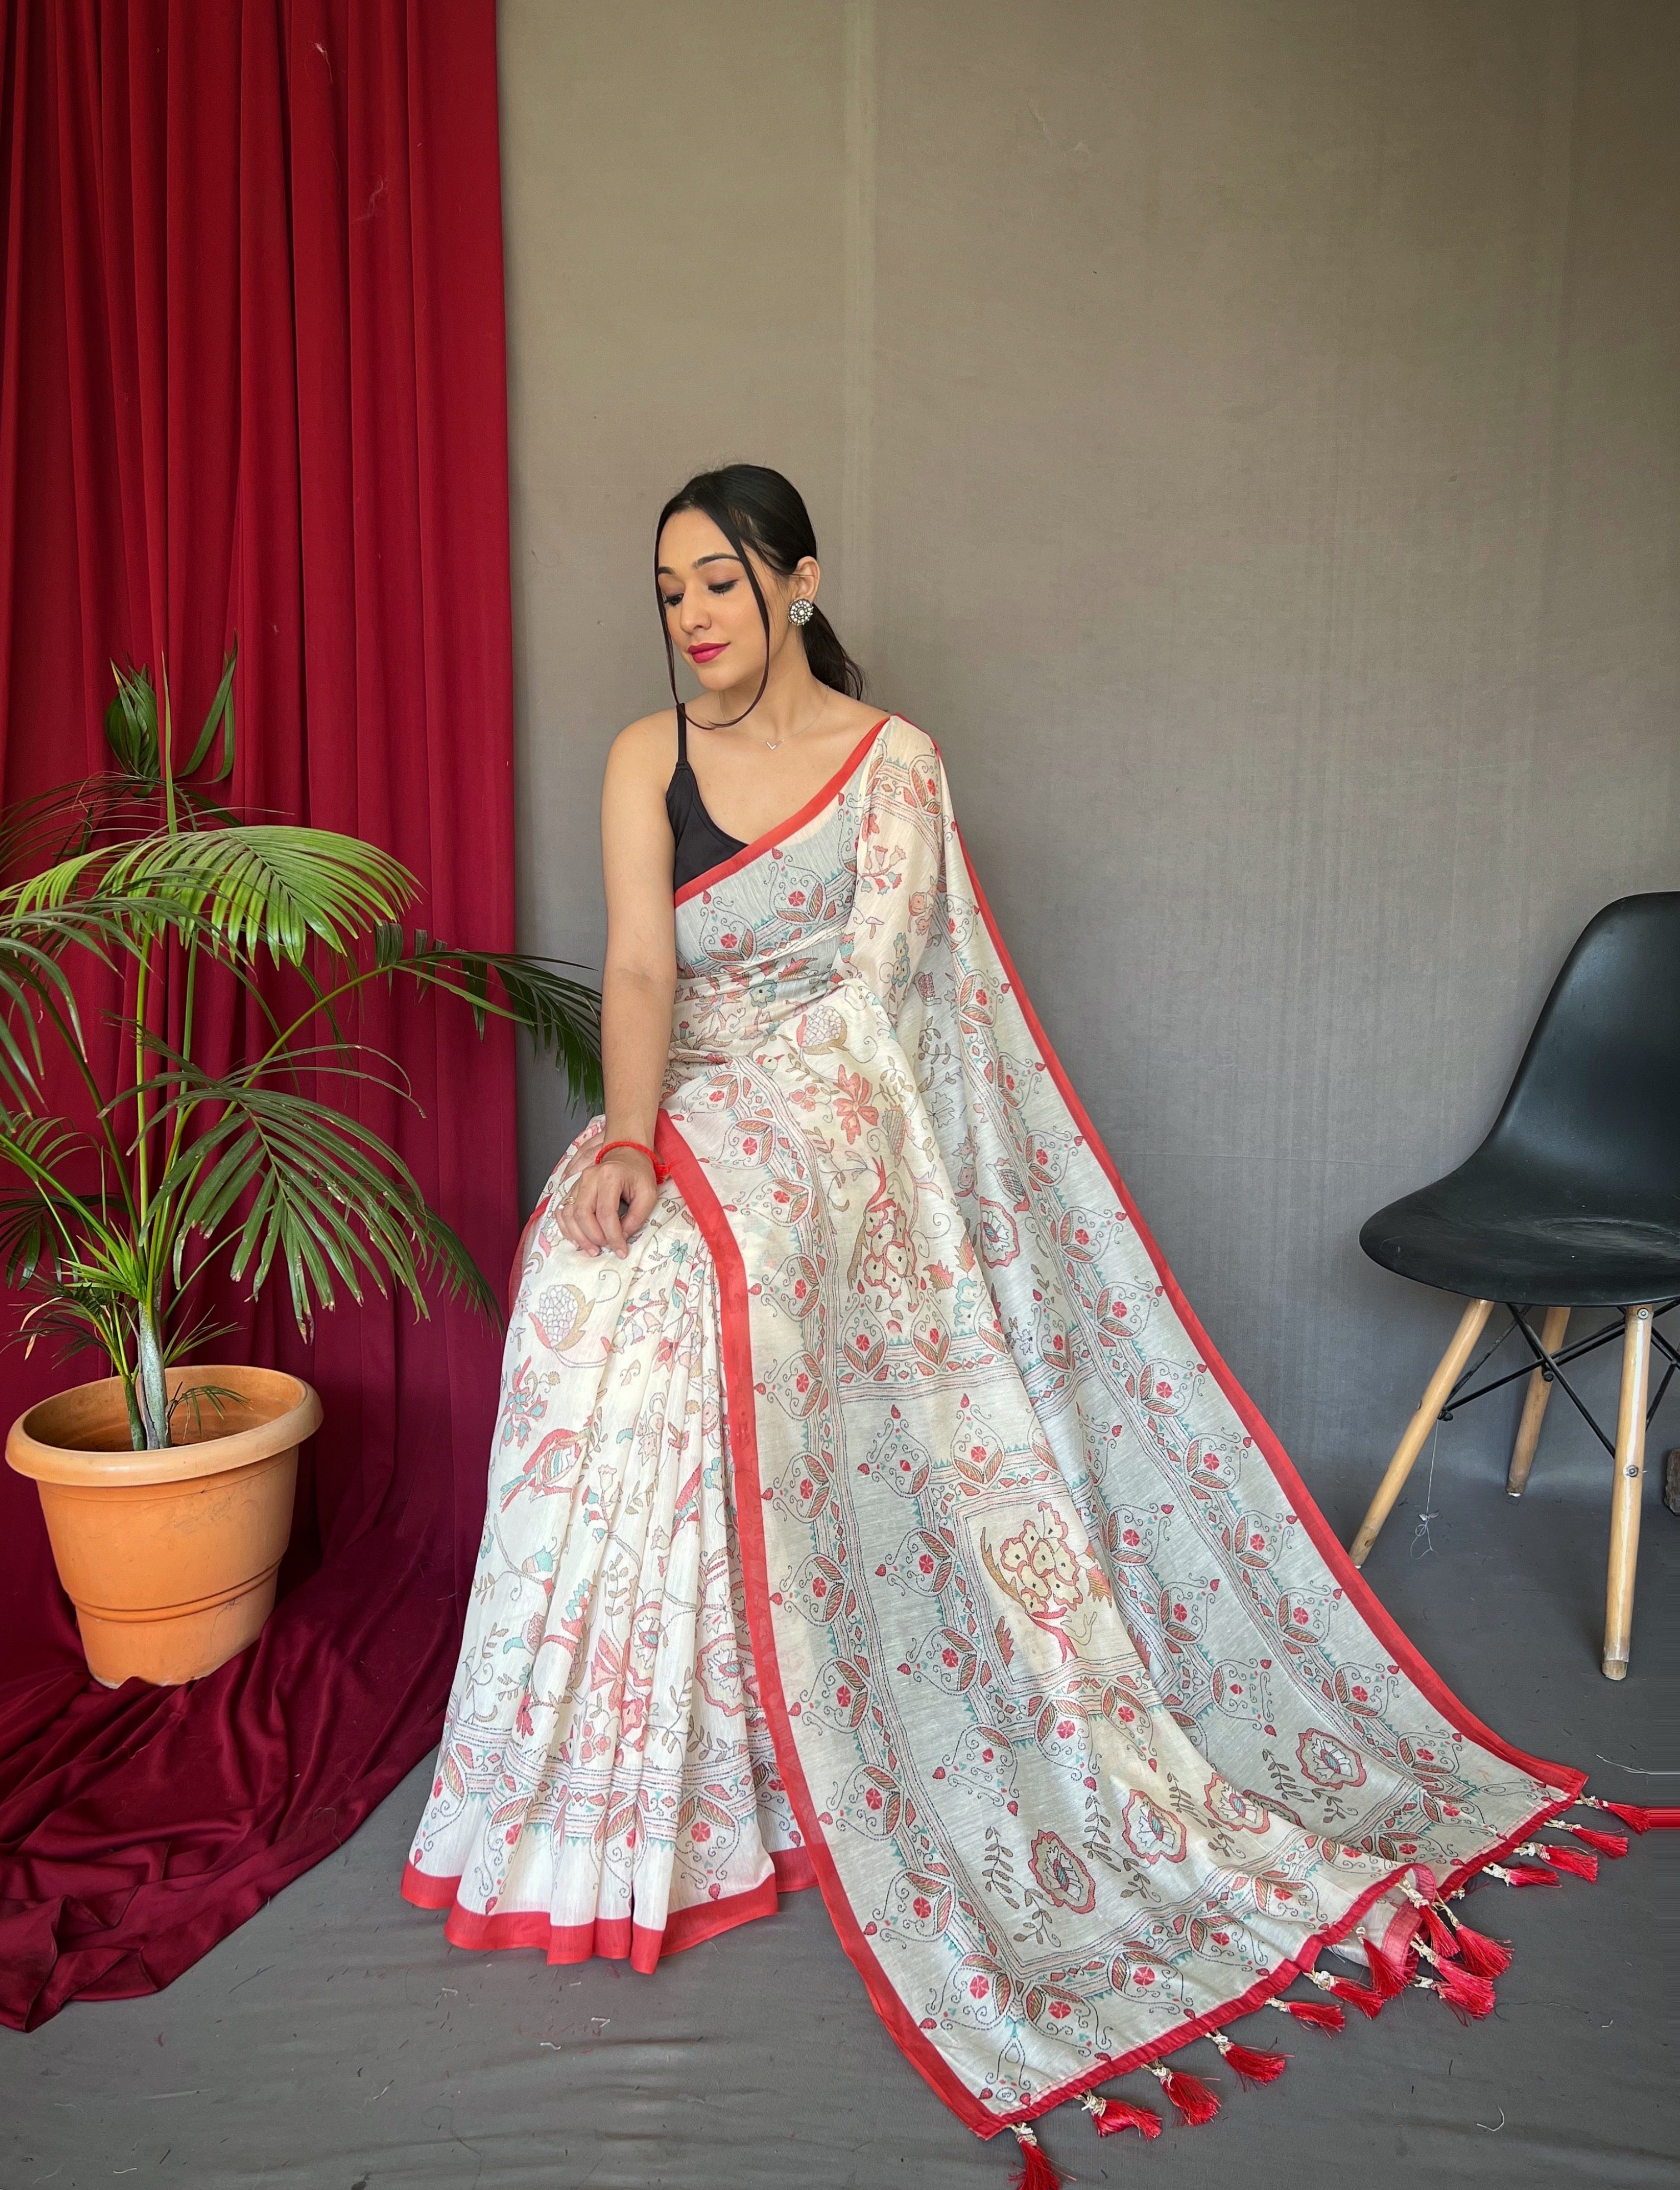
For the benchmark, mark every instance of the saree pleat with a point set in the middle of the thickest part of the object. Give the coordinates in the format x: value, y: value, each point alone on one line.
x: 597, y: 1791
x: 886, y: 1521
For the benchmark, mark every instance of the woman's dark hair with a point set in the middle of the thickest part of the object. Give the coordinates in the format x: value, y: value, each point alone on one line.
x: 753, y: 506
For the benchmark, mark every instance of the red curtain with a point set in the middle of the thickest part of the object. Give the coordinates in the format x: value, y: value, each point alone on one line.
x: 254, y: 384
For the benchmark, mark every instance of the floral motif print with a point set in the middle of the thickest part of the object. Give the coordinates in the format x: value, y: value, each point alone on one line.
x: 895, y: 1529
x: 1037, y: 1567
x: 1059, y: 1871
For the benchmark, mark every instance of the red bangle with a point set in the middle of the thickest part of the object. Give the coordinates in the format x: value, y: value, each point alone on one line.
x: 659, y: 1170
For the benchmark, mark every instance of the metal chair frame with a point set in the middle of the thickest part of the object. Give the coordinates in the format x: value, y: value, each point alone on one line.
x: 1551, y: 1367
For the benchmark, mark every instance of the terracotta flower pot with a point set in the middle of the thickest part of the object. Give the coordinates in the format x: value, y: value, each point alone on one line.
x: 169, y: 1557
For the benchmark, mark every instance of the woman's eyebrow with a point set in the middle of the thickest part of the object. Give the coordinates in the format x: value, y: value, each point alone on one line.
x: 665, y: 570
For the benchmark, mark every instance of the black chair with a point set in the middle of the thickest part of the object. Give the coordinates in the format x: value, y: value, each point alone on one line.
x: 1572, y: 1201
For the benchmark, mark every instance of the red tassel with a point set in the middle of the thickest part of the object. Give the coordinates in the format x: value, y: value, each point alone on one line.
x: 1610, y: 1844
x: 1192, y: 2100
x: 1316, y: 2014
x: 1368, y: 2003
x: 1113, y: 2115
x: 1482, y: 1956
x: 1576, y: 1861
x: 1387, y: 1978
x: 1251, y: 2067
x: 1036, y: 2172
x: 1468, y: 1996
x: 1438, y: 1931
x: 1525, y: 1874
x: 1638, y: 1819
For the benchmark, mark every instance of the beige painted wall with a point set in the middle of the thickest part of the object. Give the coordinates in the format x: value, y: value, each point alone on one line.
x: 1244, y: 432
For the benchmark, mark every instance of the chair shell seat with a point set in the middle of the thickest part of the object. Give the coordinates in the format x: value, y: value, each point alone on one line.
x: 1470, y: 1234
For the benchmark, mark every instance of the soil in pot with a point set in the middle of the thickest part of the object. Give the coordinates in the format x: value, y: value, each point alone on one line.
x: 170, y: 1557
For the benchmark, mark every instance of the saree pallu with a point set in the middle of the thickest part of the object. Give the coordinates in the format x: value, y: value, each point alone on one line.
x: 885, y: 1521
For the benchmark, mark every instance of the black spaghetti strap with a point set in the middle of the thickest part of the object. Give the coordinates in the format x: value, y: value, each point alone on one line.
x: 700, y: 843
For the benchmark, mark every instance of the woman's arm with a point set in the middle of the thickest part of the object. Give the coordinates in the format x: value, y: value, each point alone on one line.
x: 612, y: 1199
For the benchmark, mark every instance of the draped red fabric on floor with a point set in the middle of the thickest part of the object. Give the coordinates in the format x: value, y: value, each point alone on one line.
x: 254, y: 386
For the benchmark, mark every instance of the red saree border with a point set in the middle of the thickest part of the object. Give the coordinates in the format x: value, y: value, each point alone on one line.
x: 1283, y: 1468
x: 615, y: 1938
x: 771, y: 837
x: 743, y: 1417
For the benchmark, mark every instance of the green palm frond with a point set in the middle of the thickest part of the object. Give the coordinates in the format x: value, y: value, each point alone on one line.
x: 126, y: 802
x: 74, y: 817
x: 562, y: 1017
x: 30, y: 977
x: 219, y: 717
x: 261, y: 884
x: 132, y: 731
x: 97, y: 1291
x: 330, y: 1200
x: 28, y: 1234
x: 78, y: 1320
x: 191, y: 1340
x: 131, y: 727
x: 40, y: 1148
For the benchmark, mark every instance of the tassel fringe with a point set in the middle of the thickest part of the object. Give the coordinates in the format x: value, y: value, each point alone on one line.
x: 1636, y: 1817
x: 1316, y: 2014
x: 1470, y: 1998
x: 1385, y: 1978
x: 1192, y: 2099
x: 1482, y: 1956
x: 1576, y: 1861
x: 1610, y: 1844
x: 1113, y: 2115
x: 1368, y: 2003
x: 1036, y: 2172
x: 1523, y: 1874
x: 1250, y: 2067
x: 1436, y: 1930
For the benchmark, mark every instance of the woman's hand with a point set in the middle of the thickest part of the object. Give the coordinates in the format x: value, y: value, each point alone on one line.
x: 609, y: 1202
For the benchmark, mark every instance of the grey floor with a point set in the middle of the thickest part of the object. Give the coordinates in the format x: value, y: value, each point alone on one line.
x: 335, y: 2040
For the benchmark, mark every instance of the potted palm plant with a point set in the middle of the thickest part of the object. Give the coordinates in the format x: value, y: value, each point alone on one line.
x: 167, y: 1485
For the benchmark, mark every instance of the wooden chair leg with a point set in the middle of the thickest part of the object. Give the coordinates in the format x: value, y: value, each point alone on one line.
x: 1625, y: 1492
x: 1533, y: 1406
x: 1446, y: 1376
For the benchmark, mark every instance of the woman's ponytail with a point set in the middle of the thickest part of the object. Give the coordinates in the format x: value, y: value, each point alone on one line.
x: 829, y: 662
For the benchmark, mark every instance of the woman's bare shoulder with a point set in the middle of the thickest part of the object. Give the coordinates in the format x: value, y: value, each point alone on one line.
x: 857, y: 714
x: 646, y: 748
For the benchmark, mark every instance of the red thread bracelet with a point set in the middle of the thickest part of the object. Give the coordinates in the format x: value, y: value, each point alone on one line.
x: 659, y: 1170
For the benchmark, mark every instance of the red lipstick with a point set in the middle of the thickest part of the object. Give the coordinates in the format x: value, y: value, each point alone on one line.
x: 706, y: 653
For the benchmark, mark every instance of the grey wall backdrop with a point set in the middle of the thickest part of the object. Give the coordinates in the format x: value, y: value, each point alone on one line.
x: 1244, y: 432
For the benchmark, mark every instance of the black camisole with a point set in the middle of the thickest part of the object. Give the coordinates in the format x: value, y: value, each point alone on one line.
x: 700, y: 843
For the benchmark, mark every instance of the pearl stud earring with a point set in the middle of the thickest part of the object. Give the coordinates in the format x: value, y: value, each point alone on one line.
x: 799, y: 612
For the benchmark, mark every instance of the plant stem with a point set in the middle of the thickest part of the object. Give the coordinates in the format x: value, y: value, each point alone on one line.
x: 154, y: 1391
x: 144, y: 954
x: 165, y: 756
x: 186, y: 1049
x: 100, y: 1119
x: 137, y: 1428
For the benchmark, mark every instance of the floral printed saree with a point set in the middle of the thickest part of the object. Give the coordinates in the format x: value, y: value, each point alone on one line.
x: 886, y: 1522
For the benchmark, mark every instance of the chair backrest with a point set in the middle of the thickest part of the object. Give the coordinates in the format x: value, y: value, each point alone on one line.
x: 1597, y: 1092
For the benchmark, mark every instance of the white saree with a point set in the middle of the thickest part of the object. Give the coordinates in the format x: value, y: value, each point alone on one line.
x: 886, y: 1522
